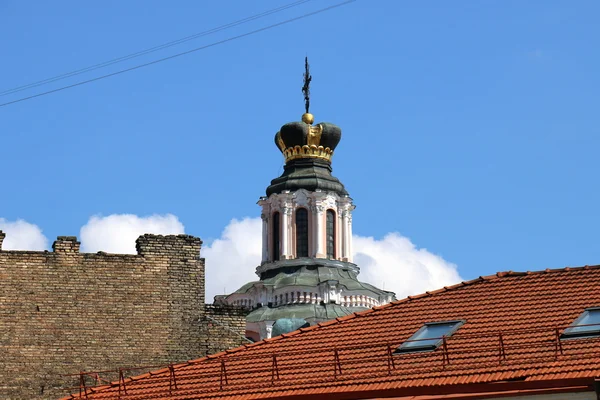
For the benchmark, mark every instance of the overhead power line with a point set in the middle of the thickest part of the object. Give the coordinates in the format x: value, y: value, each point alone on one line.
x: 287, y: 21
x: 151, y: 49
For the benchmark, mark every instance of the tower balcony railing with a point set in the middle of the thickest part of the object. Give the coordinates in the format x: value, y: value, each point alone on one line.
x: 304, y: 297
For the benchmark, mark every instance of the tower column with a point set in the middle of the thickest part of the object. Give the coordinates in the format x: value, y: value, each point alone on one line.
x: 265, y: 238
x: 349, y: 236
x: 319, y: 227
x: 313, y: 236
x: 339, y: 235
x: 344, y: 235
x: 286, y: 213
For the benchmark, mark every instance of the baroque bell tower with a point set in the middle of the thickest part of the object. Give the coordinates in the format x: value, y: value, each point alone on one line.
x: 306, y: 272
x: 307, y: 211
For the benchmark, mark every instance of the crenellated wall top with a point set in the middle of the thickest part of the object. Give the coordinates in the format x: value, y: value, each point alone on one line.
x: 147, y: 245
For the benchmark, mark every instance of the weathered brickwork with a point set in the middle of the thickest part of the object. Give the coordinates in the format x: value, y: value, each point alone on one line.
x: 63, y: 311
x: 224, y: 327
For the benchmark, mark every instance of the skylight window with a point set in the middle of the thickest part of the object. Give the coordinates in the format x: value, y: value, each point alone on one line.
x: 586, y: 325
x: 429, y: 336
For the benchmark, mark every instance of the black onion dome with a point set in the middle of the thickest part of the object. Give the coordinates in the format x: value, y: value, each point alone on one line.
x: 332, y: 134
x: 293, y: 134
x: 307, y: 150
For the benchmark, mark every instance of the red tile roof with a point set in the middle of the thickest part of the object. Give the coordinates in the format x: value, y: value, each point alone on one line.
x: 509, y: 343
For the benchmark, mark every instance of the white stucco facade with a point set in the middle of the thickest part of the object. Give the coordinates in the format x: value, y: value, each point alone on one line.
x: 317, y: 204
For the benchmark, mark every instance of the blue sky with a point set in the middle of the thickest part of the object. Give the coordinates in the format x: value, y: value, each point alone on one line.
x: 470, y: 127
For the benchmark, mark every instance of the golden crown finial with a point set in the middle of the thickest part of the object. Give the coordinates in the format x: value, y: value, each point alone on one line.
x: 307, y: 142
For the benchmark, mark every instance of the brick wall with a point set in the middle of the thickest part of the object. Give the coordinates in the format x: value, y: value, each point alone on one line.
x: 63, y: 311
x: 224, y: 327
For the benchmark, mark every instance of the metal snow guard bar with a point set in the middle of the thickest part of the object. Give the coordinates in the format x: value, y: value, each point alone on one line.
x: 267, y: 368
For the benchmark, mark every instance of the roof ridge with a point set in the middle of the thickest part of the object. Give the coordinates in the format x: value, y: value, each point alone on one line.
x: 548, y: 270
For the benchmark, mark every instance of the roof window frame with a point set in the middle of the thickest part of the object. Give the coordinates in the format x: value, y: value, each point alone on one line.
x: 567, y: 334
x: 405, y: 347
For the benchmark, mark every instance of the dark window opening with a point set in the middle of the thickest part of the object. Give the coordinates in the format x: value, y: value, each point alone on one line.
x: 276, y: 231
x: 330, y: 228
x: 429, y: 336
x: 301, y: 232
x: 586, y: 325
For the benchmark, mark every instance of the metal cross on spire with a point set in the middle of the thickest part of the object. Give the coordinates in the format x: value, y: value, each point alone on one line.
x: 306, y: 87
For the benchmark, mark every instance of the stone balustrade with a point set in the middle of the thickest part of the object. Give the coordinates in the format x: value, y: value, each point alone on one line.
x: 304, y: 297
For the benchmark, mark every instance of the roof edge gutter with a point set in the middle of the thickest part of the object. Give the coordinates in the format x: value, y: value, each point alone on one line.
x: 466, y: 391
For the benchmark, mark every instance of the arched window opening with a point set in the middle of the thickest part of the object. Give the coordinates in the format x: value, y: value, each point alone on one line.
x: 301, y: 232
x: 276, y: 230
x: 330, y: 234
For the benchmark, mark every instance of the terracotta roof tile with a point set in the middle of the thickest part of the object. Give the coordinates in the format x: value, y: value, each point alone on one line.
x: 508, y: 343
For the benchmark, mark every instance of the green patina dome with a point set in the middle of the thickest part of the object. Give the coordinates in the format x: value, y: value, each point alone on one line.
x: 312, y: 275
x: 285, y: 325
x: 314, y: 312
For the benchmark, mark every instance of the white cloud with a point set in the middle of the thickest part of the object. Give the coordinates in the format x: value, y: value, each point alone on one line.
x: 395, y: 260
x: 21, y: 235
x: 117, y: 233
x: 232, y: 259
x: 395, y: 263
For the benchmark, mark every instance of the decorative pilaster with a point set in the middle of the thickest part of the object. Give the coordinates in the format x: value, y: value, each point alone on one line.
x: 345, y: 209
x: 267, y: 329
x: 265, y: 237
x: 345, y: 242
x: 318, y: 231
x: 313, y: 236
x: 349, y: 239
x: 286, y: 215
x: 332, y: 294
x: 339, y: 236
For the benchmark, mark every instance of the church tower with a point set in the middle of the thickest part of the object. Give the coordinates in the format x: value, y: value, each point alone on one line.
x: 306, y: 273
